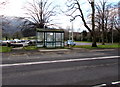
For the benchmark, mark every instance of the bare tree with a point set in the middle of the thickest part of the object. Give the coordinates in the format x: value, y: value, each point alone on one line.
x: 105, y: 14
x: 117, y: 25
x: 3, y: 3
x: 76, y: 6
x: 102, y: 15
x: 41, y: 12
x: 117, y: 18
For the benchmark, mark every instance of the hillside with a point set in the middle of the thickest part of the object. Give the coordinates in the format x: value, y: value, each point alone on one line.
x: 13, y: 24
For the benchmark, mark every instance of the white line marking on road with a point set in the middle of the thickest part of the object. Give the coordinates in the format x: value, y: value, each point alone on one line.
x: 116, y: 82
x: 99, y: 85
x: 59, y: 61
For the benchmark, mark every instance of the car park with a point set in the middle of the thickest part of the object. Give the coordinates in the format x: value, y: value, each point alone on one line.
x: 14, y: 43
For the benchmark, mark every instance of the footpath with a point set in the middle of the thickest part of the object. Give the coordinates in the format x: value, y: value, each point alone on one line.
x: 19, y: 55
x: 20, y: 51
x: 42, y: 51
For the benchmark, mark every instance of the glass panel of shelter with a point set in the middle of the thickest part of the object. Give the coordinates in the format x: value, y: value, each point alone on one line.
x: 62, y: 39
x: 50, y: 39
x: 40, y: 39
x: 59, y: 39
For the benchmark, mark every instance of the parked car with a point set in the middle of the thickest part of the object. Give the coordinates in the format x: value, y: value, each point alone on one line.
x: 70, y: 42
x: 4, y: 42
x: 14, y: 43
x: 17, y: 40
x: 19, y: 44
x: 32, y: 42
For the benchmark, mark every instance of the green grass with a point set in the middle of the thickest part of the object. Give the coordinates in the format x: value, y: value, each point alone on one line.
x: 99, y: 46
x: 109, y: 46
x: 35, y: 48
x: 30, y: 48
x: 5, y: 49
x: 83, y: 41
x: 77, y: 46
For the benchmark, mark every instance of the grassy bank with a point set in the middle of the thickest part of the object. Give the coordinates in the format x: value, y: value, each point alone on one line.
x: 8, y: 49
x: 5, y: 49
x: 83, y: 41
x: 30, y: 48
x: 99, y: 46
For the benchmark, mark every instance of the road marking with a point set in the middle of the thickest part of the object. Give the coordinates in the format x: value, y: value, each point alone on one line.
x: 59, y: 61
x: 116, y: 82
x: 99, y: 85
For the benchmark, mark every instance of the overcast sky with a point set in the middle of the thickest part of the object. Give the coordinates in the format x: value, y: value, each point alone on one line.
x: 15, y: 8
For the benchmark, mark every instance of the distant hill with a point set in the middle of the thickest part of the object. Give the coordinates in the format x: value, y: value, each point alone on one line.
x: 13, y: 24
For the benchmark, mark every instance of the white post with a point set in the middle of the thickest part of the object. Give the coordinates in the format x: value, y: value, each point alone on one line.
x: 69, y: 34
x: 72, y: 30
x: 112, y: 35
x: 78, y: 33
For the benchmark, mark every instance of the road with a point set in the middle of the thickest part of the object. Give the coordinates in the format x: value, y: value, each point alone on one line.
x: 61, y: 68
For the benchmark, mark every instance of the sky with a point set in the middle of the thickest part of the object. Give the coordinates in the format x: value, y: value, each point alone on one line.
x: 16, y: 8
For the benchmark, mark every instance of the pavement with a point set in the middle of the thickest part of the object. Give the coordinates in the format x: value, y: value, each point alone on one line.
x: 45, y: 51
x: 20, y: 50
x: 17, y: 56
x: 20, y: 55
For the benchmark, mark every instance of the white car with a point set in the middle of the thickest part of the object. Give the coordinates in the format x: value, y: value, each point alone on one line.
x: 19, y: 44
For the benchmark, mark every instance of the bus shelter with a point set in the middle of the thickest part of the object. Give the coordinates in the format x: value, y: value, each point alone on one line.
x: 50, y: 38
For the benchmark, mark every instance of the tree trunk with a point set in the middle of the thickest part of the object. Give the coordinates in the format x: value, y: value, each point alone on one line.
x: 93, y: 25
x: 6, y: 38
x: 103, y: 39
x: 103, y: 27
x: 94, y: 44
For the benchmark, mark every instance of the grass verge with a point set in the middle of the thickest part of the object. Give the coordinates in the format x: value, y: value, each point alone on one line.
x: 5, y: 49
x: 84, y: 41
x: 30, y: 48
x: 99, y: 46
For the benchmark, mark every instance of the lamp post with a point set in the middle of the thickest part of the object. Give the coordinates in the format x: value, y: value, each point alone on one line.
x: 71, y: 20
x: 72, y: 30
x: 78, y: 33
x: 69, y: 34
x: 112, y: 35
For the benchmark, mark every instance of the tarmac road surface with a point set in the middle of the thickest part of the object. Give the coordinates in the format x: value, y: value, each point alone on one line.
x: 76, y: 68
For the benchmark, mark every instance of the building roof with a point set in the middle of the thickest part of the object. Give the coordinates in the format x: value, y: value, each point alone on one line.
x: 50, y: 30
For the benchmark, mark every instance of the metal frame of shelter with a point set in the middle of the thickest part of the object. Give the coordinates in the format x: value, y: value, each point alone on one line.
x: 50, y: 38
